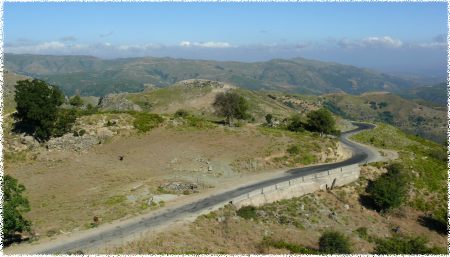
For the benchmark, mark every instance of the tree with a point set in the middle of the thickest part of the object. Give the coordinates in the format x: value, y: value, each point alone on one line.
x: 332, y: 242
x: 296, y: 123
x: 321, y: 121
x: 37, y: 107
x: 269, y: 119
x: 231, y: 105
x: 389, y: 190
x: 76, y: 101
x: 14, y: 206
x: 64, y: 121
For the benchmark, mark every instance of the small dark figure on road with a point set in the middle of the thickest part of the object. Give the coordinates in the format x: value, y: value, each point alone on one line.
x: 120, y: 157
x: 396, y: 229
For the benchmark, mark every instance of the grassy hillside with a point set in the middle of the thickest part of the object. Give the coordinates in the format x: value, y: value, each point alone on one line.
x: 197, y: 96
x: 93, y: 76
x: 434, y: 94
x: 426, y: 162
x: 408, y: 115
x: 9, y: 83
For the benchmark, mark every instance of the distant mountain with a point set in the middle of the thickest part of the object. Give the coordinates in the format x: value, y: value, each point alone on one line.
x: 93, y: 76
x: 434, y: 94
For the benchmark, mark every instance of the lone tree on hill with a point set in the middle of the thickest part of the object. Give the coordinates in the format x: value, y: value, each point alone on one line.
x: 37, y: 109
x: 14, y: 206
x: 76, y: 101
x: 321, y: 121
x: 231, y: 105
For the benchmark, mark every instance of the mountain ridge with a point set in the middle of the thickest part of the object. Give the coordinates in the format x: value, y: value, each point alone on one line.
x: 90, y: 75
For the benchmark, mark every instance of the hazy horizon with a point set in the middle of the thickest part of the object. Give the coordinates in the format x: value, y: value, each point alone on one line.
x: 406, y: 38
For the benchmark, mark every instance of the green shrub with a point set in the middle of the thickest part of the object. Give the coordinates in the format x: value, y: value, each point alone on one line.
x: 76, y: 101
x: 296, y: 124
x: 293, y: 248
x: 64, y: 121
x: 181, y: 113
x: 198, y: 122
x: 405, y: 245
x: 14, y: 205
x: 362, y: 232
x: 293, y: 149
x: 389, y: 190
x: 247, y: 212
x: 144, y: 122
x: 332, y: 242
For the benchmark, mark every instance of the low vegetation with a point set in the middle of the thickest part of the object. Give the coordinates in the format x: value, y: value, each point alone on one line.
x: 400, y: 244
x: 144, y: 122
x: 14, y: 206
x: 389, y: 190
x: 332, y: 242
x: 423, y: 165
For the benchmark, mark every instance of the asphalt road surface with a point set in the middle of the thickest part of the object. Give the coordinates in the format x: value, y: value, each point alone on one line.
x: 361, y: 154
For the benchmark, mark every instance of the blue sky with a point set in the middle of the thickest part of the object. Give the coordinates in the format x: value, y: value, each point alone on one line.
x: 376, y: 35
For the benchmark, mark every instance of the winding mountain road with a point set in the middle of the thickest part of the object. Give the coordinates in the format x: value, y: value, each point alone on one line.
x: 98, y: 238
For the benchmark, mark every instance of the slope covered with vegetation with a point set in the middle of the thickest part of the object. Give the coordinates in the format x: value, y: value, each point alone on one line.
x: 389, y: 108
x: 92, y: 76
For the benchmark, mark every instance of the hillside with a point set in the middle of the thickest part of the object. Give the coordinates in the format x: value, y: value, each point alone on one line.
x: 407, y: 115
x: 293, y: 226
x: 9, y: 83
x: 93, y: 76
x: 434, y: 94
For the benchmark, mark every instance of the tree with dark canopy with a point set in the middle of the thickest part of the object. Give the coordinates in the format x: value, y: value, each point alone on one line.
x: 321, y: 121
x: 14, y: 206
x: 37, y: 108
x: 231, y: 105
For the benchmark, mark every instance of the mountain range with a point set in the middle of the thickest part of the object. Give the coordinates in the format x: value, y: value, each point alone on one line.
x: 87, y: 75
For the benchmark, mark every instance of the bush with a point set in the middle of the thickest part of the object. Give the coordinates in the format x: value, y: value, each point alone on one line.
x: 14, y: 206
x: 181, y: 113
x: 144, y: 122
x: 296, y: 124
x: 293, y: 248
x: 405, y: 245
x: 334, y: 242
x: 76, y: 101
x: 269, y: 119
x: 64, y: 122
x: 293, y: 149
x: 321, y: 121
x: 389, y: 190
x: 247, y: 212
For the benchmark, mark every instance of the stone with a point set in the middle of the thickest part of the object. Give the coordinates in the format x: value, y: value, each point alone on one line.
x: 347, y: 207
x: 118, y: 102
x: 210, y: 168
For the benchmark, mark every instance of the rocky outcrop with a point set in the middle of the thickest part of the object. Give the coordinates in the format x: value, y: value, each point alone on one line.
x: 73, y: 143
x: 118, y: 102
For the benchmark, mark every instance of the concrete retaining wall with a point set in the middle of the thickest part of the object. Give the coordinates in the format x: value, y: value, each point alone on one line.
x: 299, y: 186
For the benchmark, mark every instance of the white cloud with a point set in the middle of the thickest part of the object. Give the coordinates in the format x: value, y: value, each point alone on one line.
x: 209, y: 44
x: 382, y: 41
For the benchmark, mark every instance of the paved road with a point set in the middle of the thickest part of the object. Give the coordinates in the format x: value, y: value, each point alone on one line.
x: 361, y: 154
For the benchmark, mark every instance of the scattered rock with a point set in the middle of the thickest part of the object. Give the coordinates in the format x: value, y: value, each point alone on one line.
x: 71, y: 142
x: 118, y: 102
x: 210, y: 168
x: 180, y: 187
x: 221, y: 219
x: 347, y: 207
